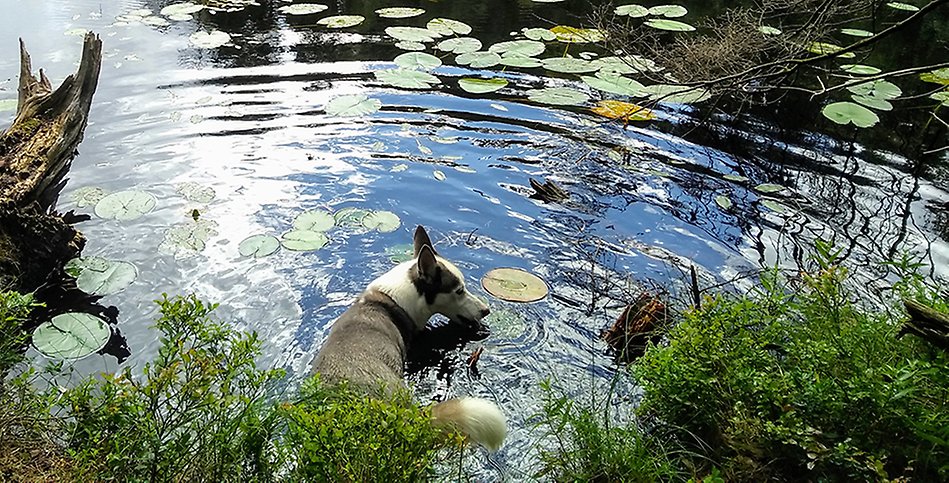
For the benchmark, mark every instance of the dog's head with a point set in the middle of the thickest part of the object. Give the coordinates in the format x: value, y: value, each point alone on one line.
x: 443, y: 286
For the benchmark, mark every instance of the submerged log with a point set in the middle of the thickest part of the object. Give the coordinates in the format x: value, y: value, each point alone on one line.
x: 35, y: 154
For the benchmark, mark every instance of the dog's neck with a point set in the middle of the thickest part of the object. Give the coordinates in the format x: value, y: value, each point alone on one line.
x: 397, y: 284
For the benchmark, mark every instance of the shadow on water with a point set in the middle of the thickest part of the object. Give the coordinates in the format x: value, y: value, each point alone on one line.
x: 248, y: 120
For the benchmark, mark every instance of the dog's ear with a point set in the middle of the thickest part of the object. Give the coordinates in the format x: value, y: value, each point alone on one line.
x: 421, y: 239
x: 426, y: 262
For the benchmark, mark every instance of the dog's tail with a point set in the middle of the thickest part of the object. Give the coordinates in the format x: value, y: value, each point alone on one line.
x: 479, y: 419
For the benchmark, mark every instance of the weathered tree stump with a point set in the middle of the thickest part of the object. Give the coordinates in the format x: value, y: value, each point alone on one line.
x: 926, y: 324
x: 35, y: 154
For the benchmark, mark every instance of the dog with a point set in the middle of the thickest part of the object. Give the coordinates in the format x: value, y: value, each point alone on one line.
x: 367, y: 345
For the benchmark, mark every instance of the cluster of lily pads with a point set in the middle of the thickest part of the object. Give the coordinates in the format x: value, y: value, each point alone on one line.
x: 310, y: 227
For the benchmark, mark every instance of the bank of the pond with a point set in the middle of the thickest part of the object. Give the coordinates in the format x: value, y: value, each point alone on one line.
x: 796, y: 381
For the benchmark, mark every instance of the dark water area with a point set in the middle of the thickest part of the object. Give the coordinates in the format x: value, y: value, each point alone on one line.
x: 248, y: 120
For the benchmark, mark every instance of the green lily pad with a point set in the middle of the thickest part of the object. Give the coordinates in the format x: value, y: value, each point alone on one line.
x: 635, y: 11
x: 856, y: 32
x: 514, y: 285
x: 575, y: 35
x: 187, y: 239
x: 877, y: 103
x: 417, y: 61
x: 941, y: 96
x: 407, y: 79
x: 481, y: 86
x: 350, y: 217
x: 314, y: 220
x: 522, y: 62
x: 769, y: 30
x: 341, y: 21
x: 774, y: 206
x: 209, y: 40
x: 459, y: 45
x: 559, y: 96
x: 478, y: 60
x: 736, y: 178
x: 411, y: 34
x: 302, y: 8
x: 615, y: 83
x: 670, y: 25
x: 860, y: 69
x: 400, y: 253
x: 184, y: 8
x: 304, y: 240
x: 87, y: 196
x: 196, y: 192
x: 518, y: 48
x: 404, y: 45
x: 676, y: 94
x: 399, y: 12
x: 769, y: 188
x: 879, y: 88
x: 447, y: 26
x: 821, y: 48
x: 569, y: 65
x: 352, y: 105
x: 258, y: 246
x: 723, y: 202
x: 902, y: 6
x: 668, y: 11
x: 938, y: 76
x: 76, y: 265
x: 537, y: 33
x: 125, y: 205
x: 71, y: 336
x: 382, y: 221
x: 113, y: 277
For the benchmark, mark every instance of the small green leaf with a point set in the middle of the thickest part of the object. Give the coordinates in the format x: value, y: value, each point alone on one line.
x: 478, y: 60
x: 856, y: 32
x: 408, y: 79
x: 774, y: 206
x: 209, y: 40
x: 941, y: 96
x: 938, y: 76
x: 341, y: 21
x: 539, y: 34
x: 769, y: 188
x: 258, y: 246
x: 860, y: 69
x: 481, y: 86
x: 303, y: 240
x: 70, y: 336
x: 399, y: 12
x: 352, y: 105
x: 849, y: 112
x: 302, y: 8
x: 411, y: 34
x: 125, y: 205
x: 314, y: 220
x: 459, y: 45
x: 736, y: 178
x: 350, y: 217
x: 879, y: 88
x: 723, y: 202
x: 668, y: 11
x: 518, y: 48
x: 405, y: 45
x: 877, y: 103
x: 447, y: 26
x: 902, y: 6
x: 821, y: 48
x: 670, y: 25
x: 633, y: 10
x: 382, y: 221
x: 417, y: 61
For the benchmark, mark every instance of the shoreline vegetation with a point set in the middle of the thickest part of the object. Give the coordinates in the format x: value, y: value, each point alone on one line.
x: 798, y: 380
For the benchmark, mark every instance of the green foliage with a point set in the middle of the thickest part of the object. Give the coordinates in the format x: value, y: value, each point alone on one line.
x: 14, y: 309
x: 341, y: 434
x: 798, y: 382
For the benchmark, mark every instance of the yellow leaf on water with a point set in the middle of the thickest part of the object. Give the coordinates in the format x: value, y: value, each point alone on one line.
x: 575, y: 35
x: 623, y: 110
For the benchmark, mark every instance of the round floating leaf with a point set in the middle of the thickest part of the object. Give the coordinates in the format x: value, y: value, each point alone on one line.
x: 615, y: 83
x: 522, y: 62
x: 341, y: 21
x: 125, y: 205
x: 902, y: 6
x: 518, y: 48
x: 259, y: 246
x: 774, y: 206
x: 407, y: 79
x: 539, y: 34
x: 670, y: 25
x: 822, y: 48
x: 879, y: 88
x: 635, y: 11
x: 352, y: 105
x: 676, y: 94
x: 459, y: 45
x: 481, y: 86
x: 187, y: 239
x: 514, y: 285
x: 382, y: 221
x: 350, y: 217
x: 75, y: 266
x: 72, y: 335
x: 569, y: 65
x: 196, y: 192
x: 439, y: 175
x: 849, y: 112
x: 860, y: 69
x: 302, y: 8
x: 623, y: 110
x: 877, y: 103
x: 399, y: 12
x: 400, y: 253
x: 942, y: 96
x: 560, y: 96
x: 723, y: 202
x: 447, y: 26
x: 938, y: 76
x: 417, y: 61
x: 736, y: 178
x: 669, y: 11
x: 304, y: 240
x: 185, y: 8
x: 769, y: 188
x: 411, y: 34
x: 114, y: 278
x: 478, y: 60
x: 856, y: 32
x: 768, y: 30
x: 574, y: 35
x: 410, y: 45
x: 87, y: 196
x: 314, y: 220
x: 209, y: 40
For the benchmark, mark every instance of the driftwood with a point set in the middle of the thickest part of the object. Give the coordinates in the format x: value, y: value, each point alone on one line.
x: 35, y: 154
x: 927, y: 324
x: 636, y: 327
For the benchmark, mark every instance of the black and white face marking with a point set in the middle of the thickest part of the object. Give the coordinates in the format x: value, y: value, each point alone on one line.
x: 442, y: 284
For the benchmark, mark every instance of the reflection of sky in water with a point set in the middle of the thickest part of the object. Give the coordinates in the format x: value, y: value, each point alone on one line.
x: 259, y: 138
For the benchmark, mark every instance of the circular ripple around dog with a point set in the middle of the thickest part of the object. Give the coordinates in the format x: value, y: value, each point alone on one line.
x: 514, y: 285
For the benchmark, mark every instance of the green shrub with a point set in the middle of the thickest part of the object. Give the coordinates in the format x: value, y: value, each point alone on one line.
x: 14, y: 310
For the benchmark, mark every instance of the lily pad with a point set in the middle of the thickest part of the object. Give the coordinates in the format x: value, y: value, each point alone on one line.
x: 341, y: 21
x: 774, y: 206
x: 860, y: 69
x: 769, y: 30
x: 849, y: 112
x: 723, y: 202
x: 856, y: 32
x: 668, y: 11
x: 411, y: 34
x: 125, y: 205
x: 447, y: 26
x: 518, y: 48
x: 938, y: 76
x: 196, y: 192
x: 187, y: 239
x: 417, y: 61
x: 350, y: 217
x: 481, y: 86
x: 769, y: 188
x: 184, y: 8
x: 407, y: 79
x: 879, y: 88
x: 314, y: 220
x: 623, y: 110
x: 71, y: 336
x: 514, y: 285
x: 352, y: 105
x: 575, y: 35
x: 670, y: 25
x: 635, y: 11
x: 400, y: 253
x: 522, y: 62
x: 399, y: 12
x: 569, y: 65
x: 615, y: 83
x: 258, y: 246
x: 821, y: 48
x: 478, y: 60
x: 537, y: 33
x: 75, y: 266
x: 405, y: 45
x: 304, y: 240
x: 116, y: 276
x: 941, y: 96
x: 902, y: 6
x: 87, y: 196
x: 302, y: 8
x: 382, y: 221
x: 736, y: 178
x: 209, y: 40
x: 459, y: 45
x: 559, y: 96
x: 877, y: 103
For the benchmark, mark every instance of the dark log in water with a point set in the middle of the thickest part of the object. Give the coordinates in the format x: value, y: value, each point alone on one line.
x: 927, y: 324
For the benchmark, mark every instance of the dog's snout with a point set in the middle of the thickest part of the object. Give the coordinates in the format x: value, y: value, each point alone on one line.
x: 484, y: 312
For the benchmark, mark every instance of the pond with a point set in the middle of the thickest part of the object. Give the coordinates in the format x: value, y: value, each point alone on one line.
x: 233, y: 134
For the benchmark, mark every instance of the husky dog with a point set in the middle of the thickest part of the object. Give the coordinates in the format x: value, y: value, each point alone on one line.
x: 367, y: 345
